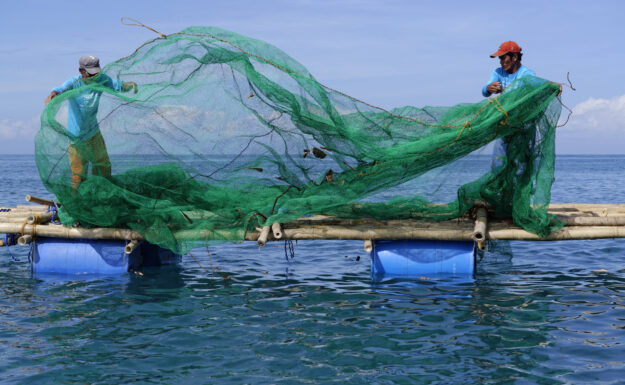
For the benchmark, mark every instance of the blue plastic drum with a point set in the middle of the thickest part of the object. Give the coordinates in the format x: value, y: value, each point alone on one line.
x: 422, y: 258
x: 77, y: 256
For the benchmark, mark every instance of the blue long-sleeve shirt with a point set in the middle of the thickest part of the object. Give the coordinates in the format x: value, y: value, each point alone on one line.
x: 499, y: 75
x: 505, y: 78
x: 82, y: 122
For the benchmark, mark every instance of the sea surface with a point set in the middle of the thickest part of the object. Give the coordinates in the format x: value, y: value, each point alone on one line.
x: 535, y: 313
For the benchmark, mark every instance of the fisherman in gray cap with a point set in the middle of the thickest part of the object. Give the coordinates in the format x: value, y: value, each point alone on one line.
x: 86, y: 142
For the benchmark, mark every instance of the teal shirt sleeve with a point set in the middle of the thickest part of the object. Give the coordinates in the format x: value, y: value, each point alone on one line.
x: 75, y: 82
x: 69, y: 84
x: 111, y: 83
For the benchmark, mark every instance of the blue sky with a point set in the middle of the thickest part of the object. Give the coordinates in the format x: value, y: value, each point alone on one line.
x: 389, y: 53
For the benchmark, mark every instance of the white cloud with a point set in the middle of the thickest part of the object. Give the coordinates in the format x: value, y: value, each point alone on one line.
x: 598, y: 114
x: 19, y: 128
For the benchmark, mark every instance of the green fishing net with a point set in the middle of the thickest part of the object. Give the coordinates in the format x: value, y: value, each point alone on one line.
x: 227, y: 133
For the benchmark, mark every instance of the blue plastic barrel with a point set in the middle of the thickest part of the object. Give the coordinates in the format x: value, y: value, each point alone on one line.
x: 80, y: 256
x: 422, y: 258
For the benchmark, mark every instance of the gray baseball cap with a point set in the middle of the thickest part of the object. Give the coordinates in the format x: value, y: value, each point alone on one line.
x: 91, y: 64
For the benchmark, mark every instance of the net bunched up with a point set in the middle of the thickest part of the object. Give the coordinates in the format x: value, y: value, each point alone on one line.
x: 227, y: 133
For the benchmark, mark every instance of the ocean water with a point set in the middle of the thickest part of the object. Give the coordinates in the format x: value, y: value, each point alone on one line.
x: 536, y: 313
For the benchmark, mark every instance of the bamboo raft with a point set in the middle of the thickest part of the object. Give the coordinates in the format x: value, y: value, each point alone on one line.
x: 583, y: 221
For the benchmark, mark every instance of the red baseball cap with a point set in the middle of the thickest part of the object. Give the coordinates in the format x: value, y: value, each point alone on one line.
x: 505, y: 47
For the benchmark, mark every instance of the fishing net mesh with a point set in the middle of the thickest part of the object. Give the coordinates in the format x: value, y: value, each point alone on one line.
x: 227, y: 133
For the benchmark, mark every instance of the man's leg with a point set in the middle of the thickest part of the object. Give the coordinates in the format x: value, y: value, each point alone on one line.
x: 77, y: 164
x: 101, y: 162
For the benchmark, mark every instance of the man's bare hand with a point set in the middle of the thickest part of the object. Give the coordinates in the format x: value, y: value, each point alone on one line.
x: 127, y: 86
x: 52, y: 95
x: 494, y: 88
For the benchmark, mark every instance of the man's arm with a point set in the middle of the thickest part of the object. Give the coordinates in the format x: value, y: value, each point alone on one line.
x: 117, y: 85
x: 127, y: 86
x: 493, y: 86
x: 59, y: 90
x: 52, y: 95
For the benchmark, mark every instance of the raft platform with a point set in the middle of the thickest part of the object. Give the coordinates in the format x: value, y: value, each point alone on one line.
x: 25, y: 224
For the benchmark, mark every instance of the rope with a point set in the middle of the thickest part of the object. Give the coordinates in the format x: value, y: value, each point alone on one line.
x: 210, y: 260
x: 196, y: 261
x: 289, y: 250
x: 276, y: 201
x: 137, y: 23
x: 248, y: 223
x: 23, y: 227
x: 495, y: 102
x: 31, y: 253
x: 54, y: 210
x: 568, y: 116
x: 9, y: 239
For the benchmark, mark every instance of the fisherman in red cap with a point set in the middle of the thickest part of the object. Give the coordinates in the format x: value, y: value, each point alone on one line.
x: 509, y: 54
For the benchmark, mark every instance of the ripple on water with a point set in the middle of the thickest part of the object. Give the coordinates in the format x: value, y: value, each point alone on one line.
x: 550, y: 312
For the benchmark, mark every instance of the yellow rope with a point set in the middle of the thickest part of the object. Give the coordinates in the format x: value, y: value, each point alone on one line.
x: 495, y: 102
x: 23, y: 227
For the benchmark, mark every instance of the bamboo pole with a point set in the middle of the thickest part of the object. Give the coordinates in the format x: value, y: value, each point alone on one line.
x: 58, y: 231
x: 10, y: 214
x: 37, y: 218
x: 20, y: 211
x: 334, y: 221
x: 566, y: 233
x: 589, y: 214
x: 449, y: 231
x: 262, y: 238
x: 572, y: 233
x: 32, y: 207
x: 276, y: 229
x: 564, y: 206
x: 15, y: 219
x: 380, y: 233
x: 1, y: 243
x: 584, y: 221
x: 41, y: 201
x: 593, y: 221
x: 24, y: 240
x: 599, y: 210
x: 368, y: 245
x: 479, y: 230
x: 131, y: 246
x: 497, y: 231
